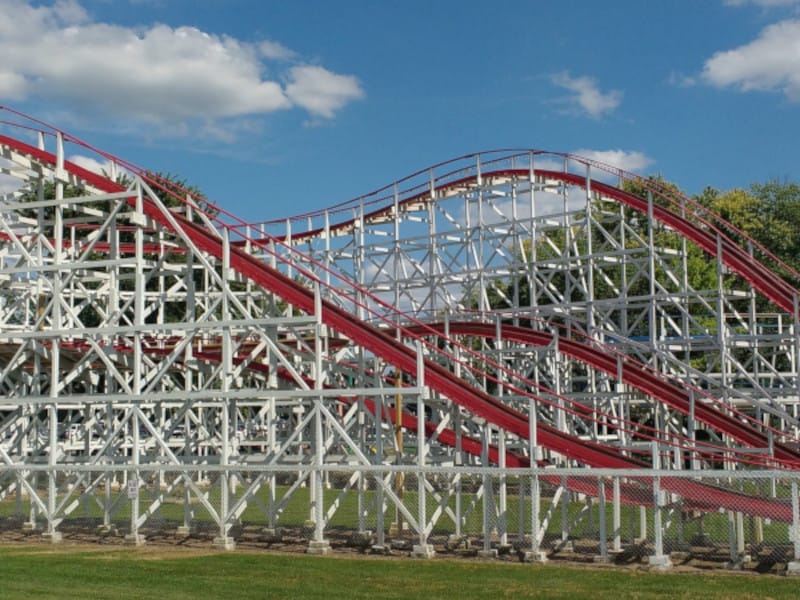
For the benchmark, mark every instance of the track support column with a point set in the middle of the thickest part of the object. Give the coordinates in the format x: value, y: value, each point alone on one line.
x: 793, y: 567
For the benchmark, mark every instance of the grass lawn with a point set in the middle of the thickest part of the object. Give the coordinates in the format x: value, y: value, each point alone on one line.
x: 33, y: 571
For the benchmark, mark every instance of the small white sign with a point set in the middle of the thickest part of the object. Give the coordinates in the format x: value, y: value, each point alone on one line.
x: 133, y: 489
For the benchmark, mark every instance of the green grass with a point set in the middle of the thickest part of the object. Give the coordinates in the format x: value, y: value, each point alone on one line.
x: 82, y: 573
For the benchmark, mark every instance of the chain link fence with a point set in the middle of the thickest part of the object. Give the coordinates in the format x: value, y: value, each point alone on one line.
x: 662, y: 518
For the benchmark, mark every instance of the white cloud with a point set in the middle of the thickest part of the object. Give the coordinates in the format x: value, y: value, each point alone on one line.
x: 681, y: 80
x: 321, y: 92
x: 158, y: 74
x: 771, y: 62
x: 13, y: 85
x: 8, y: 184
x: 275, y: 51
x: 105, y: 168
x: 587, y: 97
x: 631, y: 161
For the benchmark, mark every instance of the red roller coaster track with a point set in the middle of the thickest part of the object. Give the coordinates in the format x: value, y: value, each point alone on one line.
x: 441, y: 380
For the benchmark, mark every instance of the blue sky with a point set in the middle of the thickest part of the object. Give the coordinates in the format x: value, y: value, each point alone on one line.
x: 278, y: 107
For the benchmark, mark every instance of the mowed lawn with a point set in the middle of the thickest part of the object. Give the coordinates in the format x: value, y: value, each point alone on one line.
x: 84, y: 572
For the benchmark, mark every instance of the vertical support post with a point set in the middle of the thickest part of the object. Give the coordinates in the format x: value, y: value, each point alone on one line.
x: 380, y: 525
x: 617, y: 547
x: 502, y: 524
x: 658, y: 560
x: 793, y: 567
x: 318, y: 545
x: 55, y: 346
x: 536, y: 555
x: 601, y: 507
x: 137, y: 370
x: 423, y: 549
x: 565, y: 499
x: 488, y: 495
x: 399, y: 479
x: 224, y: 541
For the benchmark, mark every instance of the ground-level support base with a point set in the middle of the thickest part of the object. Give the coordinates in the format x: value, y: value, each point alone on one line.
x: 134, y: 539
x: 185, y: 530
x: 54, y: 537
x: 740, y: 562
x: 422, y: 551
x: 793, y: 568
x: 319, y: 548
x: 224, y: 543
x: 535, y: 556
x: 565, y: 546
x: 660, y: 562
x: 602, y: 560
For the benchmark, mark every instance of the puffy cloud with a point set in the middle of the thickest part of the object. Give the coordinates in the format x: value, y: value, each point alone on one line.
x: 587, y: 97
x: 771, y: 62
x: 321, y: 92
x: 159, y: 74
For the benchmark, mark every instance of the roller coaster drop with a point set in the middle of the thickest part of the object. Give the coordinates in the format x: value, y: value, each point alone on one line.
x: 465, y: 340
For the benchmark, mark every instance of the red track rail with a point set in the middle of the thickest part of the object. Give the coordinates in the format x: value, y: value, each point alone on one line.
x: 739, y: 261
x: 633, y: 373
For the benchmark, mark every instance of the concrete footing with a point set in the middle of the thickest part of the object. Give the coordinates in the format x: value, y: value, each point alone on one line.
x: 535, y: 556
x: 224, y: 543
x: 793, y: 568
x: 660, y: 562
x: 54, y: 537
x: 602, y: 560
x: 422, y: 551
x: 566, y: 546
x: 319, y: 548
x: 135, y: 539
x: 739, y: 563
